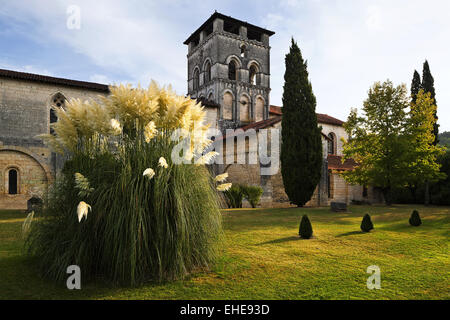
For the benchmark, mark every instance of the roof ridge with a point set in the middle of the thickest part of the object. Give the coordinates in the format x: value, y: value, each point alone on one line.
x: 51, y: 79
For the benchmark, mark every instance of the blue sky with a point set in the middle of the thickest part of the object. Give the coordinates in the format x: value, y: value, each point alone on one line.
x: 349, y: 44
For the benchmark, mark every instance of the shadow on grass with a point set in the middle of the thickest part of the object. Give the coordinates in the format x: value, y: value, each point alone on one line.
x: 350, y: 233
x: 281, y: 240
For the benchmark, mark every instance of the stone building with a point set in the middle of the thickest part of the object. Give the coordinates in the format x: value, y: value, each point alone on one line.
x: 228, y: 71
x: 26, y: 110
x: 229, y: 65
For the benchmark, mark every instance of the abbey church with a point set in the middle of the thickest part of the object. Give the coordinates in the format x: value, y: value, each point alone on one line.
x: 228, y: 72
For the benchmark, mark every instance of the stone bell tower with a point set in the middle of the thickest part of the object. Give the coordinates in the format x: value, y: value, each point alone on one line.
x: 229, y: 70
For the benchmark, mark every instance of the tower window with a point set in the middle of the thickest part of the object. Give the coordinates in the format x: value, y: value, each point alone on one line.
x: 12, y: 181
x: 196, y: 79
x: 232, y: 71
x: 208, y: 72
x: 252, y: 74
x: 243, y: 48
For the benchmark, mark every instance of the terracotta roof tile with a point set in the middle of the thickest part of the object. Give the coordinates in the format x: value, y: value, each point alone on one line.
x: 335, y: 163
x: 321, y: 117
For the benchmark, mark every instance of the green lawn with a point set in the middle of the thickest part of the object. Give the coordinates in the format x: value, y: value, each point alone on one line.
x: 263, y: 258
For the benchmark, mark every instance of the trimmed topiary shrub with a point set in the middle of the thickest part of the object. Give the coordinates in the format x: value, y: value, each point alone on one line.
x: 366, y: 223
x: 305, y: 230
x: 252, y: 194
x: 415, y: 220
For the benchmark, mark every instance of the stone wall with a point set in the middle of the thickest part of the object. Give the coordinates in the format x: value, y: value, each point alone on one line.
x: 32, y: 178
x: 25, y: 114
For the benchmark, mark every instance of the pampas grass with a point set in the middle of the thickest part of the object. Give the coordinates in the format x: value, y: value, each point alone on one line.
x: 139, y: 228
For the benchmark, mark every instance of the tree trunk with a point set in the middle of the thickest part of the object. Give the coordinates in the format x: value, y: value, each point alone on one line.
x: 387, y: 196
x: 427, y: 193
x: 413, y: 190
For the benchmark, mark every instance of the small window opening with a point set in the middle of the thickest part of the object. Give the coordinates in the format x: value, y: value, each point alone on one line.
x: 12, y: 181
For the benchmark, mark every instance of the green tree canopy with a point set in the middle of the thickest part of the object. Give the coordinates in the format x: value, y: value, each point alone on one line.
x: 391, y: 144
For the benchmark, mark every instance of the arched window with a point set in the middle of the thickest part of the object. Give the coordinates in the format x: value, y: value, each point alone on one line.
x: 232, y: 70
x: 196, y: 79
x: 12, y: 181
x: 252, y: 74
x: 244, y: 109
x: 58, y: 101
x: 243, y: 49
x: 259, y: 109
x: 227, y: 106
x: 331, y: 143
x: 208, y: 72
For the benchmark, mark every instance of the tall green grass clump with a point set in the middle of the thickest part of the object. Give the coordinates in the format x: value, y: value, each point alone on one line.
x: 253, y: 194
x: 124, y: 208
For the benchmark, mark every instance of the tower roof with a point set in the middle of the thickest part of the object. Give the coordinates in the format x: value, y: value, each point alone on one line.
x: 230, y: 20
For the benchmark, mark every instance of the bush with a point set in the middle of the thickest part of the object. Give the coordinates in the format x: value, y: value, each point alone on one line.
x: 366, y: 224
x: 305, y: 230
x: 234, y: 196
x: 252, y: 194
x: 131, y: 227
x: 415, y: 220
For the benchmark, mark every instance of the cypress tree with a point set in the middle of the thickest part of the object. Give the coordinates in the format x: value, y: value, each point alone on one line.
x: 428, y: 86
x: 415, y: 86
x: 301, y: 148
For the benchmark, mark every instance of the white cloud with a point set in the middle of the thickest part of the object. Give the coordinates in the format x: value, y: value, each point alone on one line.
x: 100, y: 78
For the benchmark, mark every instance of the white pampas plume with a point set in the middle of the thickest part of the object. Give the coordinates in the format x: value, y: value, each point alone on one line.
x: 224, y: 186
x: 162, y: 162
x: 221, y: 177
x: 82, y: 210
x: 149, y: 173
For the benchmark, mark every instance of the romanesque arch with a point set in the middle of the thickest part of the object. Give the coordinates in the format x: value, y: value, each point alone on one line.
x: 253, y: 72
x: 22, y: 174
x: 244, y: 108
x: 196, y: 78
x: 259, y: 108
x: 227, y: 103
x: 207, y: 70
